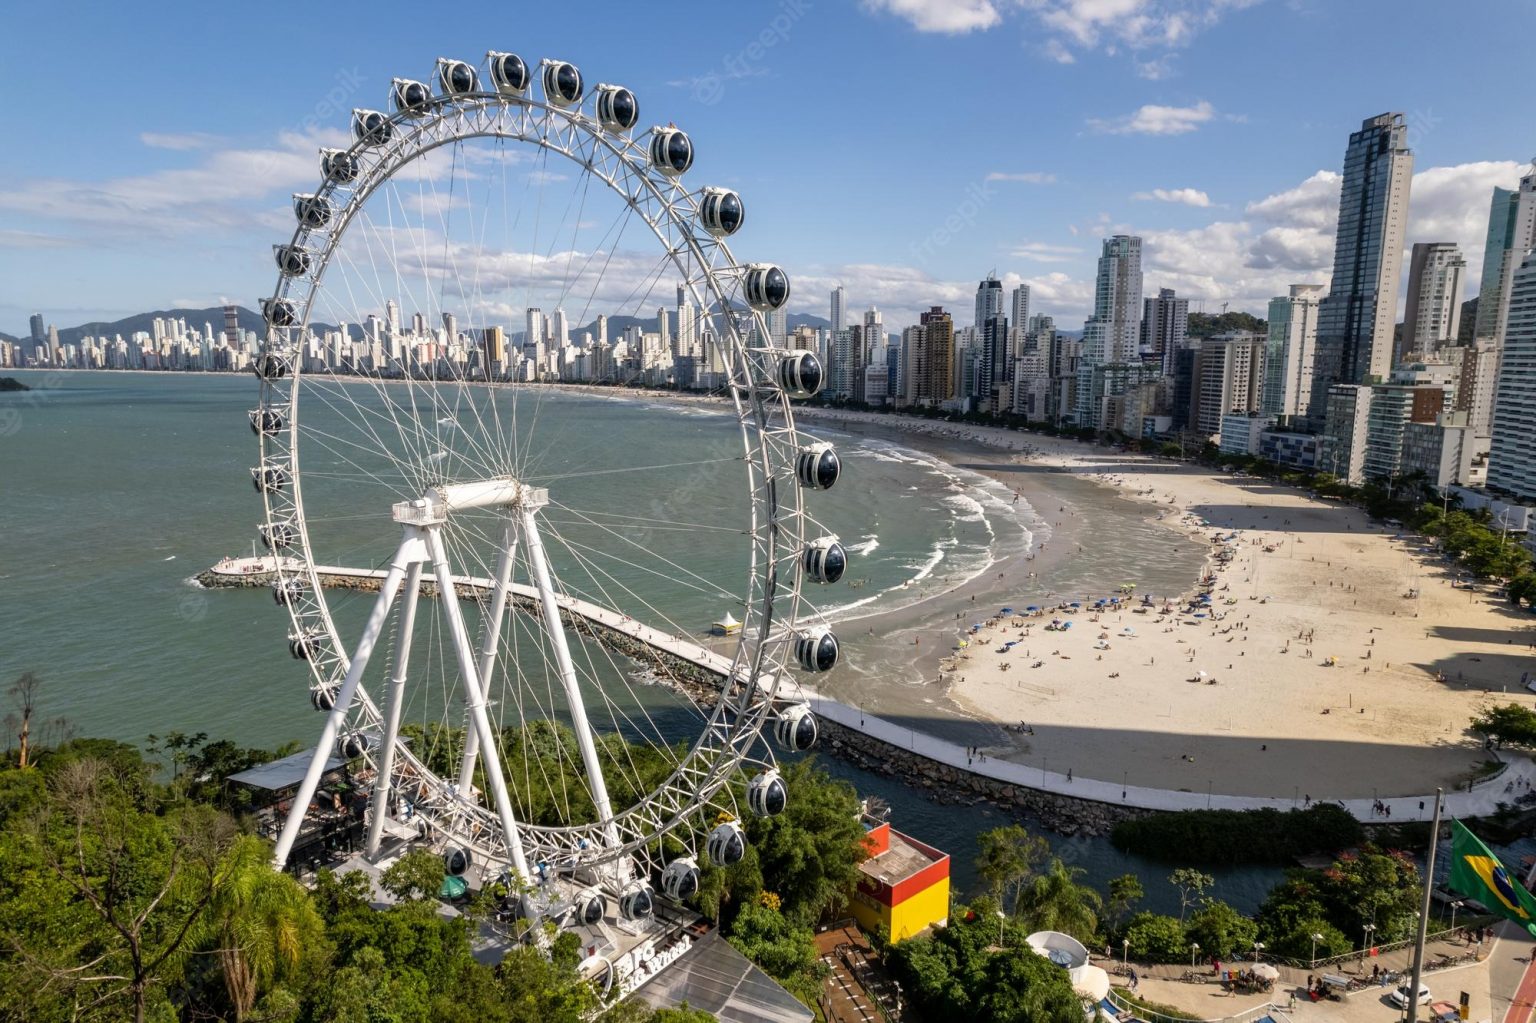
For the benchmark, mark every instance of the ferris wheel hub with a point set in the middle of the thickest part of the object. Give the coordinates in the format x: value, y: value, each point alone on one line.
x: 432, y: 508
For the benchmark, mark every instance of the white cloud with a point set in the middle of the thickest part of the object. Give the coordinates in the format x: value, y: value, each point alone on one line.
x: 1153, y: 119
x: 178, y: 140
x: 1042, y: 252
x: 1287, y: 238
x: 948, y: 17
x: 1184, y: 196
x: 1132, y: 24
x: 1027, y: 177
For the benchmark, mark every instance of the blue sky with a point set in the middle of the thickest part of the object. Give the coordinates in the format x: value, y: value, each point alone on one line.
x: 901, y: 147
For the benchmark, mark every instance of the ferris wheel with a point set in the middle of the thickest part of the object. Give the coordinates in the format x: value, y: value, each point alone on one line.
x: 487, y: 580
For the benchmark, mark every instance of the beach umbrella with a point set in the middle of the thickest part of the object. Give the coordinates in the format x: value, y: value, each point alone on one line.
x: 1075, y: 604
x: 1006, y: 611
x: 1090, y: 982
x: 1266, y: 971
x: 1033, y: 607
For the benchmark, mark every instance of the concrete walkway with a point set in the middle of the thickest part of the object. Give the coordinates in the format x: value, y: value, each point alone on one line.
x: 1481, y: 800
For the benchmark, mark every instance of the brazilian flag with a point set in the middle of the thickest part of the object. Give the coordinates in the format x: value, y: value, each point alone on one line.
x: 1477, y: 873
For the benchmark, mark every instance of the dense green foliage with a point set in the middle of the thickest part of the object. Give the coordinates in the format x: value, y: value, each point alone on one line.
x: 960, y: 972
x: 1507, y: 725
x: 1375, y: 887
x: 1239, y: 836
x: 812, y: 851
x: 125, y: 898
x: 1211, y: 324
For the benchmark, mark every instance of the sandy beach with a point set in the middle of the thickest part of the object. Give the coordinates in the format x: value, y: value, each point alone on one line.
x: 1335, y: 658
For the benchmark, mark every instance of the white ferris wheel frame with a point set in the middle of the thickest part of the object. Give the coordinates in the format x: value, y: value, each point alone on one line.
x: 773, y: 603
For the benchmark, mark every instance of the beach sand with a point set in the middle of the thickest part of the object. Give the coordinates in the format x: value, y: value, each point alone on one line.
x: 1307, y: 580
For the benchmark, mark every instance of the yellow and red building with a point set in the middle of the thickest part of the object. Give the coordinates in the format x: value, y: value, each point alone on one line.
x: 905, y: 887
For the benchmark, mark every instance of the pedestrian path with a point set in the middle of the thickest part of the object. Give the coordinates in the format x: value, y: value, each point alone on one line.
x: 1480, y: 800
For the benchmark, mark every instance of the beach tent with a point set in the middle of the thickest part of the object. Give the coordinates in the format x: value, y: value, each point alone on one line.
x: 726, y: 626
x: 1265, y: 971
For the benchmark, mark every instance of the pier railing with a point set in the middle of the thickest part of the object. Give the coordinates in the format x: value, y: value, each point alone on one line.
x: 1258, y: 1012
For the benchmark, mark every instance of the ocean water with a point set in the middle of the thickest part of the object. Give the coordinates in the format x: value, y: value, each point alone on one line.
x: 116, y: 488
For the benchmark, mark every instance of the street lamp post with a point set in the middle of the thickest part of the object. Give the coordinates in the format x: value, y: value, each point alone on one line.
x: 1454, y: 907
x: 1258, y: 952
x: 1125, y: 962
x: 1000, y: 918
x: 1369, y: 929
x: 1194, y: 949
x: 1315, y: 939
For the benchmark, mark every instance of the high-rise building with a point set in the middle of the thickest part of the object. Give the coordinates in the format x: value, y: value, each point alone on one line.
x: 1228, y: 378
x: 1292, y: 343
x: 1512, y: 457
x: 560, y: 330
x: 392, y: 317
x: 1432, y: 318
x: 1113, y: 333
x: 989, y: 300
x: 995, y: 371
x: 534, y: 328
x: 778, y: 327
x: 1019, y: 308
x: 1511, y: 234
x: 839, y: 315
x: 935, y: 368
x: 1356, y: 321
x: 39, y: 329
x: 232, y: 326
x: 874, y: 337
x: 1164, y: 328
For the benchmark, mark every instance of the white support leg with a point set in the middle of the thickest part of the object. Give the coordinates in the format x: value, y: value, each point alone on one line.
x: 556, y: 631
x: 410, y: 551
x: 493, y: 623
x: 476, y: 704
x: 405, y: 626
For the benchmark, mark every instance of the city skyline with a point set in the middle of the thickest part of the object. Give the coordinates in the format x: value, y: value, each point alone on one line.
x: 1136, y: 141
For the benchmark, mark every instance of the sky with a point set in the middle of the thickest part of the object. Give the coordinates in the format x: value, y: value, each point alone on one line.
x: 901, y: 148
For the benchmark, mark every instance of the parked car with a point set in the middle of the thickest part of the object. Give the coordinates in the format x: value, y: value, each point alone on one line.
x: 1403, y: 992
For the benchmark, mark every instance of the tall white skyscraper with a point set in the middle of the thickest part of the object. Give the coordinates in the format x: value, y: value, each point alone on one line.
x: 1289, y: 351
x: 989, y: 301
x: 874, y: 336
x: 687, y: 343
x: 450, y: 328
x: 1356, y: 321
x: 1117, y: 305
x: 560, y: 330
x: 1511, y: 234
x: 534, y: 330
x: 1512, y: 460
x: 1020, y: 308
x: 1432, y: 318
x: 839, y: 308
x: 392, y: 317
x: 778, y: 327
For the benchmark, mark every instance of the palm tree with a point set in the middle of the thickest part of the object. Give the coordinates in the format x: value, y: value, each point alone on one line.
x: 1055, y: 901
x: 260, y: 922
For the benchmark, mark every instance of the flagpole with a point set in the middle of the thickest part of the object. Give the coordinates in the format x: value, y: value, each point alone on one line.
x: 1429, y: 884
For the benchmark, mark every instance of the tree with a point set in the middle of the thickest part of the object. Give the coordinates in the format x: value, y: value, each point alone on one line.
x: 138, y: 886
x: 1006, y: 857
x: 1154, y: 938
x: 1192, y: 885
x: 1124, y: 892
x: 261, y: 923
x: 1220, y: 930
x: 1055, y: 901
x: 414, y: 877
x: 957, y: 972
x: 785, y: 951
x: 24, y: 693
x: 1507, y: 725
x: 810, y: 853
